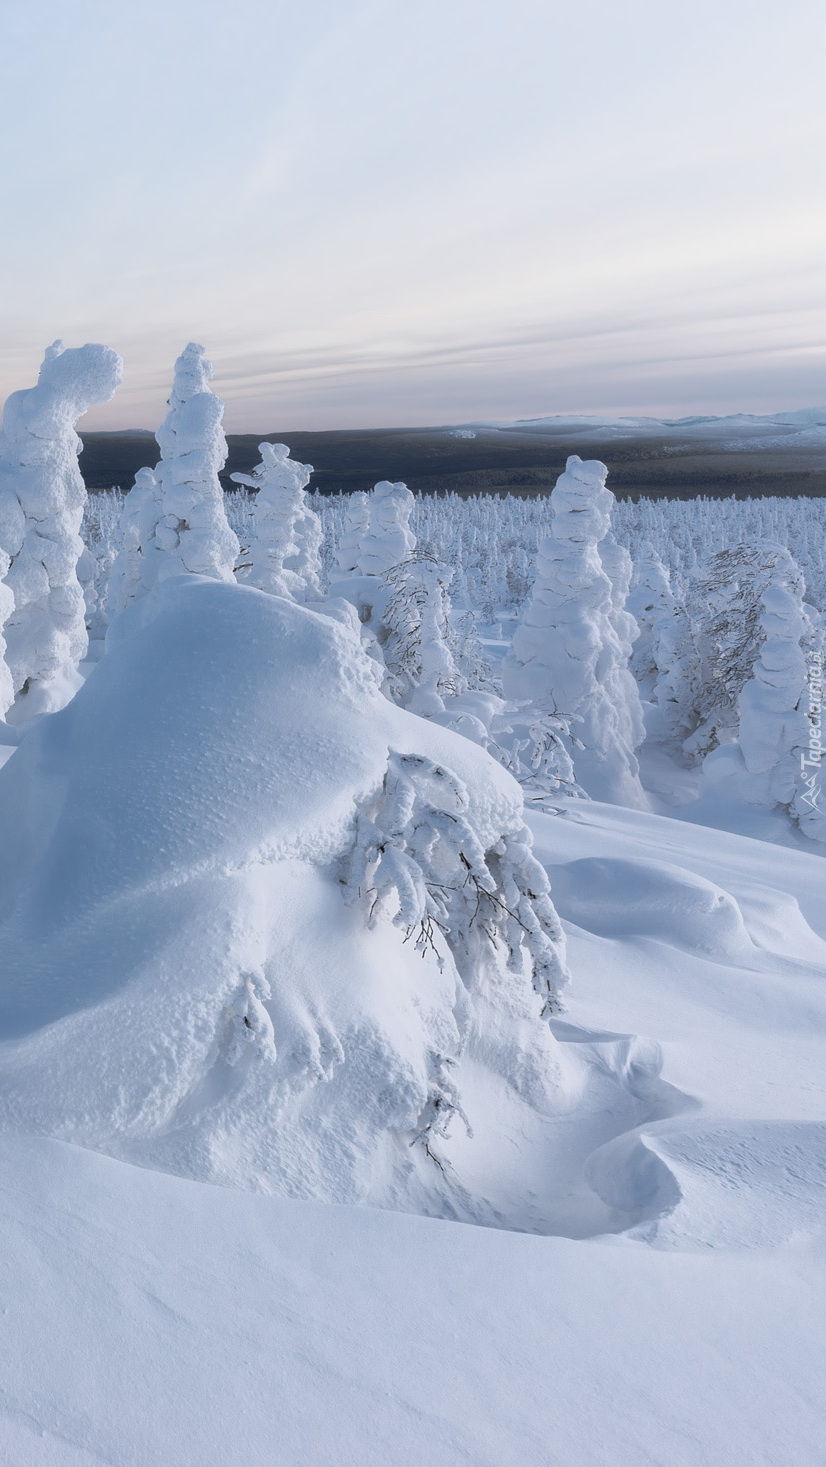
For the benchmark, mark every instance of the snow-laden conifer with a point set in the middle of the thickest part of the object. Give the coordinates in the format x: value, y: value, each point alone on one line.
x: 567, y: 658
x: 677, y: 663
x: 356, y: 522
x: 415, y: 636
x: 279, y: 482
x: 306, y: 562
x: 6, y: 608
x: 418, y: 859
x: 191, y: 532
x: 774, y: 732
x: 388, y: 538
x: 42, y: 497
x: 649, y: 599
x: 725, y: 610
x: 132, y: 565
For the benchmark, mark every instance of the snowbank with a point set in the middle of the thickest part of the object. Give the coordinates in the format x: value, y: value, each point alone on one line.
x: 200, y: 996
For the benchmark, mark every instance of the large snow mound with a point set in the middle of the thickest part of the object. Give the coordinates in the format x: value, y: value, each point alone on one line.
x: 183, y: 982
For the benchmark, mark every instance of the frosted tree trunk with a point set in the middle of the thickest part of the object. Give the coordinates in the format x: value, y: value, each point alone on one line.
x: 42, y: 497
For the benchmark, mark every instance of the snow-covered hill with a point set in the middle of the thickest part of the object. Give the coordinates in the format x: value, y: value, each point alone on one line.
x: 805, y: 427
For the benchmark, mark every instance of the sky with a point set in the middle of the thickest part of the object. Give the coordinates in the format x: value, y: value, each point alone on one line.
x: 374, y: 213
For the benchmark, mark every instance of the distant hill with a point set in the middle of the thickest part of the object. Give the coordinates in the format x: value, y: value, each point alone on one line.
x: 784, y: 454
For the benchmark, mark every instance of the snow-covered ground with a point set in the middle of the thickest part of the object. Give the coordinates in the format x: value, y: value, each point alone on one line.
x: 348, y: 1113
x: 648, y: 1288
x: 152, y: 1319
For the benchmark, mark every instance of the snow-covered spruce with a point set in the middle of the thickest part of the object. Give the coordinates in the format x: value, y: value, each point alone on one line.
x: 279, y: 483
x: 535, y: 748
x: 724, y: 607
x: 182, y: 523
x: 356, y: 523
x: 774, y: 725
x: 418, y: 855
x: 306, y: 563
x: 677, y: 686
x: 132, y: 567
x: 42, y: 496
x: 6, y: 608
x: 388, y: 538
x: 566, y: 657
x: 415, y: 634
x: 649, y: 599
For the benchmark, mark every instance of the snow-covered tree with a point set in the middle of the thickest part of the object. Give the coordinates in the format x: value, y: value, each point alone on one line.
x: 566, y: 658
x: 388, y: 538
x: 677, y: 663
x: 649, y: 599
x: 279, y: 482
x: 356, y: 523
x: 42, y: 497
x: 6, y: 608
x: 132, y: 567
x: 774, y: 732
x: 415, y: 636
x: 306, y: 563
x: 417, y: 856
x: 725, y: 608
x: 191, y: 532
x: 618, y: 566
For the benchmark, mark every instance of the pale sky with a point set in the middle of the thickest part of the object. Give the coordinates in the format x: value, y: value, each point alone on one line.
x: 382, y: 213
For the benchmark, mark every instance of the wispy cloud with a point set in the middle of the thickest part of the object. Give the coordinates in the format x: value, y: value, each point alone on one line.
x: 371, y: 215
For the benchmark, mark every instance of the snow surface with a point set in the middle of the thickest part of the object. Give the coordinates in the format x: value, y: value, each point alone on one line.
x: 149, y: 1318
x: 195, y: 1011
x: 201, y: 997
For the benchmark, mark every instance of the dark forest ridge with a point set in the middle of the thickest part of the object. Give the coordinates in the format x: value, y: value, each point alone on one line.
x: 784, y: 454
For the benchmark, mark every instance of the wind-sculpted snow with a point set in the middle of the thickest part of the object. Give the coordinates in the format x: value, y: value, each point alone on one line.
x: 199, y: 995
x: 652, y: 899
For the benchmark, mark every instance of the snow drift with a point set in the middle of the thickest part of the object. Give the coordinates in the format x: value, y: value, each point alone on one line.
x: 185, y: 983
